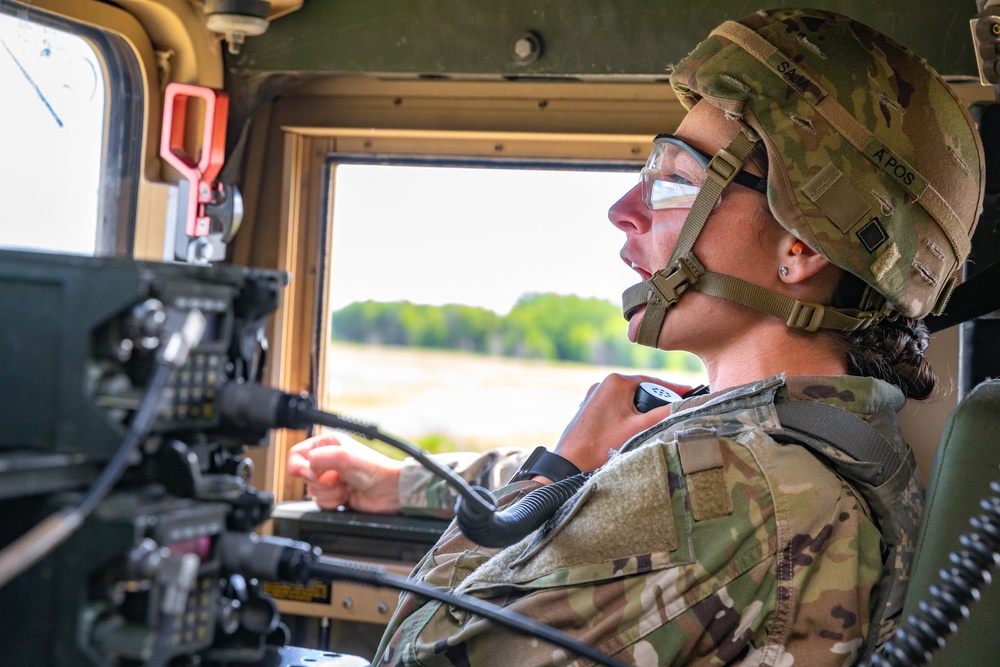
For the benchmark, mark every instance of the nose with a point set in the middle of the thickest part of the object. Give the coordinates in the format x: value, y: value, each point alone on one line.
x: 629, y: 213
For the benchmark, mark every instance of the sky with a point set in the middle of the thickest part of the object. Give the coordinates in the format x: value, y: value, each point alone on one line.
x: 475, y: 236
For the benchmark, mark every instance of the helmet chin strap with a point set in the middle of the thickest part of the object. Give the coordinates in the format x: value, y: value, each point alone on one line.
x: 663, y: 289
x: 684, y: 272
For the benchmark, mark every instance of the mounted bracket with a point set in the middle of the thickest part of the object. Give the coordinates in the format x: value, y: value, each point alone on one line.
x: 204, y: 214
x: 986, y: 40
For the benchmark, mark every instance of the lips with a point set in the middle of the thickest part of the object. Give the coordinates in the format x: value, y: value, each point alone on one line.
x: 643, y: 272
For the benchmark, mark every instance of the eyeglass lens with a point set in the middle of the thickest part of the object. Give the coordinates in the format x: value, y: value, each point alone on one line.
x: 673, y: 175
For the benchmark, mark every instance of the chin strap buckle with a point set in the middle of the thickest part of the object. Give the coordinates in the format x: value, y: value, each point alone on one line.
x: 670, y: 284
x: 806, y: 316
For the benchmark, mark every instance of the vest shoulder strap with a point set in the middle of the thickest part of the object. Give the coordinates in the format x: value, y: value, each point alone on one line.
x: 812, y: 422
x: 883, y: 473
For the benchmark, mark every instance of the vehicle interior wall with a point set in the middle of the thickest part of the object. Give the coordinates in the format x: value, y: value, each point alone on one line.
x: 580, y: 39
x: 438, y: 76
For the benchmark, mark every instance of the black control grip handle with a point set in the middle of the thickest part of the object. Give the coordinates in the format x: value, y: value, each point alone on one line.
x: 650, y: 395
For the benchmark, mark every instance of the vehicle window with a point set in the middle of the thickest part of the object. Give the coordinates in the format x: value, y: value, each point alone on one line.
x: 474, y: 307
x: 67, y: 177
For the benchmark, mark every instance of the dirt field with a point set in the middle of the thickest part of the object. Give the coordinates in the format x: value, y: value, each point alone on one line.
x: 476, y: 401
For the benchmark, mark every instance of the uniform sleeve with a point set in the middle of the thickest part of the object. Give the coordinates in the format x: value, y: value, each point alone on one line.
x: 422, y: 493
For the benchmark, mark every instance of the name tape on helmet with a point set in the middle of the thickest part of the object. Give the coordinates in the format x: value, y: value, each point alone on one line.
x: 895, y: 166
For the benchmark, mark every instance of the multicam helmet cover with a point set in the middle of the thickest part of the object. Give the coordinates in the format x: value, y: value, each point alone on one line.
x: 873, y: 161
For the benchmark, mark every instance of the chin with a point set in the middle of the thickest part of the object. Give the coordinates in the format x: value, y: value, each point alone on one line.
x: 633, y: 325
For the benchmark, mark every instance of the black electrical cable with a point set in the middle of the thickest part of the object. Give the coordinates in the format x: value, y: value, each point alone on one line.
x: 476, y: 509
x: 925, y: 631
x: 57, y: 527
x: 477, y: 496
x: 253, y: 405
x: 333, y: 569
x: 284, y: 559
x: 258, y: 406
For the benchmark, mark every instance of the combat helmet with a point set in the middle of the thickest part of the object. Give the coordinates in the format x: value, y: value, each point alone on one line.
x: 872, y: 161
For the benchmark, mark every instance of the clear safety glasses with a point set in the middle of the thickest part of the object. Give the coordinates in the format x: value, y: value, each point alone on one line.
x: 676, y: 171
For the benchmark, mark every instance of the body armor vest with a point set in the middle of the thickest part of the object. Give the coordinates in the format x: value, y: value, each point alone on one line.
x: 874, y: 460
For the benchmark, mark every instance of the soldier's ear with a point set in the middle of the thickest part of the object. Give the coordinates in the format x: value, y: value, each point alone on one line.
x: 797, y: 262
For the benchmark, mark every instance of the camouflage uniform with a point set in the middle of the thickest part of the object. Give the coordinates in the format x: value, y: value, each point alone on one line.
x: 704, y: 541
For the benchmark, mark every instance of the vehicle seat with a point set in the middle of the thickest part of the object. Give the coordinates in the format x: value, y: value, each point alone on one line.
x: 966, y: 461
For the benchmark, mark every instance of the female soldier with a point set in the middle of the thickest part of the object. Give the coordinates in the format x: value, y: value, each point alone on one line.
x: 812, y: 207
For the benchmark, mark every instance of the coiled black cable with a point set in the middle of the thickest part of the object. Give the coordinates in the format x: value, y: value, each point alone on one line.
x: 925, y: 632
x: 501, y: 529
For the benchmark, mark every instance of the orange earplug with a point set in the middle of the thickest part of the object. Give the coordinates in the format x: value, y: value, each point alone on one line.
x: 798, y: 247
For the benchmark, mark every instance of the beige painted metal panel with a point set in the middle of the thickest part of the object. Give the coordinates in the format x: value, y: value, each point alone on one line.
x: 348, y: 601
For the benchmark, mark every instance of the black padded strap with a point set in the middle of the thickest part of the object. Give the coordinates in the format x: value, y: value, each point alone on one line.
x: 545, y: 463
x: 975, y: 297
x: 842, y: 429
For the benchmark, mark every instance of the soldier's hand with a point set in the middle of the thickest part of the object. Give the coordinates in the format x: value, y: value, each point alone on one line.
x: 606, y: 420
x: 340, y: 471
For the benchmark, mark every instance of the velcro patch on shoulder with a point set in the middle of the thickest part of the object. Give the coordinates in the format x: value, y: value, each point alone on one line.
x: 700, y: 452
x: 699, y: 449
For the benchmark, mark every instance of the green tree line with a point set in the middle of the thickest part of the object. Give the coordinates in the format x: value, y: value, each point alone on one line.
x: 540, y: 326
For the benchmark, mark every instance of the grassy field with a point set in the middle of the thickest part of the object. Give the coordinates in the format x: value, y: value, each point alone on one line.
x: 476, y: 401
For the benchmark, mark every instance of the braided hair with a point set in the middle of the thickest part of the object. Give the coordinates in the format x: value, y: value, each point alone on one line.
x: 891, y: 350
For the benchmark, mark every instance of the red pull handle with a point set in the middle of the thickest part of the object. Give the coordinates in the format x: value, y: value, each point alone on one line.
x: 201, y: 173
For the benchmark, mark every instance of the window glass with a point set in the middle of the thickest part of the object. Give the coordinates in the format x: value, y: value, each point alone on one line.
x: 51, y: 131
x: 474, y: 307
x: 69, y: 122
